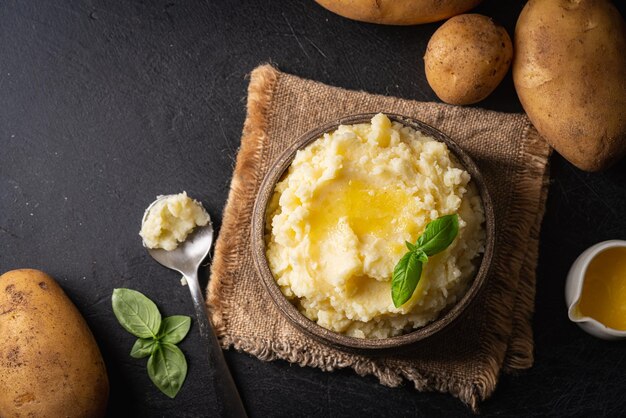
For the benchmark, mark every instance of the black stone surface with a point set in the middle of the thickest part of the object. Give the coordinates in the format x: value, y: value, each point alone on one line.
x: 106, y: 104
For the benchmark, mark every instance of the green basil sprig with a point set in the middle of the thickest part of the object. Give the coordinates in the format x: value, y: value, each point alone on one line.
x: 437, y: 236
x: 167, y: 366
x: 136, y: 313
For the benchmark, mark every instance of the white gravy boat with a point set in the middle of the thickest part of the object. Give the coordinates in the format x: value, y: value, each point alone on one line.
x: 574, y: 287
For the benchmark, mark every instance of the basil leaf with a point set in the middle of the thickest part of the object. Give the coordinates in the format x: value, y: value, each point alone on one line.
x: 406, y: 276
x: 136, y: 313
x: 143, y: 347
x: 167, y: 368
x: 421, y: 256
x: 439, y: 234
x: 174, y: 328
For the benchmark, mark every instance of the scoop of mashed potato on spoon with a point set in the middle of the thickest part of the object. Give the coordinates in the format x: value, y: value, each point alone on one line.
x: 170, y: 219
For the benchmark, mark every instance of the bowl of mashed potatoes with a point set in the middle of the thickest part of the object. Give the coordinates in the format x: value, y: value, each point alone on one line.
x: 334, y: 214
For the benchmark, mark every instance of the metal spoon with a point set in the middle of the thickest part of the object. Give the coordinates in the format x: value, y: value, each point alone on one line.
x: 186, y: 259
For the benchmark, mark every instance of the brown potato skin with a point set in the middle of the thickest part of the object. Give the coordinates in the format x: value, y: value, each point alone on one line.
x: 50, y: 365
x: 569, y: 71
x: 398, y: 12
x: 466, y: 59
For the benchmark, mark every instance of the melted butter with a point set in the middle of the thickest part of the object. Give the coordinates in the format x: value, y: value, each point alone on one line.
x: 603, y: 295
x: 367, y: 210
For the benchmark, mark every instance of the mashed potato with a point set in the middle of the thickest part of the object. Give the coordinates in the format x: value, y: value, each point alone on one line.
x: 171, y: 220
x: 338, y: 221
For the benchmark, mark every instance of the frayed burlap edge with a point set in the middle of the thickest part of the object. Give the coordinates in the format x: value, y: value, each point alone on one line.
x: 246, y: 179
x: 520, y: 353
x: 529, y: 205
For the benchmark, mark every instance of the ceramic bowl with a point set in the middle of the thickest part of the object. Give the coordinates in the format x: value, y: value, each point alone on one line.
x: 574, y: 287
x: 352, y: 344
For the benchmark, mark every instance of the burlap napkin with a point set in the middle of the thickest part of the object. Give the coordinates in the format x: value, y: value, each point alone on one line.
x: 466, y: 359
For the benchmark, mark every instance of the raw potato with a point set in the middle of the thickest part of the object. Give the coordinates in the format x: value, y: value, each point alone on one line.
x: 466, y: 59
x: 398, y: 12
x: 50, y: 365
x: 570, y: 75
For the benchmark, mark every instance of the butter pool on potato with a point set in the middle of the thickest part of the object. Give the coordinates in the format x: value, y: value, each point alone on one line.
x: 337, y: 224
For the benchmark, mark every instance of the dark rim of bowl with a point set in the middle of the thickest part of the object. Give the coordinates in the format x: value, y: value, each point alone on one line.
x: 341, y: 341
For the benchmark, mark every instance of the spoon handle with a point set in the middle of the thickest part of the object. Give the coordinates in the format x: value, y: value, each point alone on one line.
x: 226, y: 397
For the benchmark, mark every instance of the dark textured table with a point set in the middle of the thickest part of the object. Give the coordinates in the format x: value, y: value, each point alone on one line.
x: 106, y: 104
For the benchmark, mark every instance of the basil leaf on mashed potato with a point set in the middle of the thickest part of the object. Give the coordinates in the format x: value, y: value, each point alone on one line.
x: 406, y: 276
x: 437, y: 236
